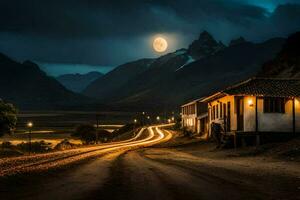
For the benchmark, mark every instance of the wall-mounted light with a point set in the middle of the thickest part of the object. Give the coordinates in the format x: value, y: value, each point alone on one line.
x: 250, y: 103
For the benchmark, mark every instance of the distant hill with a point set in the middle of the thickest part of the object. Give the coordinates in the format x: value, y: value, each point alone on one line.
x: 105, y: 86
x: 78, y: 82
x: 287, y: 62
x: 25, y: 85
x: 172, y: 79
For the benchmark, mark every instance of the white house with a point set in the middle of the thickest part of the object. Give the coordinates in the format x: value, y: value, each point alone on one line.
x: 194, y: 116
x: 257, y: 105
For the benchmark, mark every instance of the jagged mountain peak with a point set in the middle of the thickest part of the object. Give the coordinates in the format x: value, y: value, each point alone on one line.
x: 204, y: 46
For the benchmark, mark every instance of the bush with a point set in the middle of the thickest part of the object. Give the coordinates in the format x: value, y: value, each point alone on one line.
x: 86, y: 132
x: 177, y: 125
x: 104, y: 135
x: 38, y: 147
x: 65, y: 144
x: 7, y: 145
x: 8, y: 118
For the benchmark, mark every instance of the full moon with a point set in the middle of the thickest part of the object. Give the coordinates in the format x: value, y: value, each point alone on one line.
x: 160, y: 44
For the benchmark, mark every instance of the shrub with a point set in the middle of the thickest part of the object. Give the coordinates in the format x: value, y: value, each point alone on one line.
x: 37, y: 147
x: 65, y: 144
x: 104, y: 135
x: 177, y: 125
x: 8, y: 118
x: 86, y: 132
x: 7, y: 145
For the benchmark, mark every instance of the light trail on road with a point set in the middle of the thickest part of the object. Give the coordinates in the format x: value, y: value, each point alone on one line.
x: 37, y: 163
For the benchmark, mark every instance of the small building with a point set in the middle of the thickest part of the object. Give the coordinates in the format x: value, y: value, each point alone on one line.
x: 195, y: 117
x: 257, y: 105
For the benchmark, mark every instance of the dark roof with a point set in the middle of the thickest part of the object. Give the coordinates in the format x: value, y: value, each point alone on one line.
x: 270, y: 87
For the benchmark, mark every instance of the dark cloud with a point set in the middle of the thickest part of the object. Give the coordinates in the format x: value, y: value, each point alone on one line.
x: 110, y: 32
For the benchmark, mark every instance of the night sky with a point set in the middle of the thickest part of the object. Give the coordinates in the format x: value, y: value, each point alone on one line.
x: 108, y: 33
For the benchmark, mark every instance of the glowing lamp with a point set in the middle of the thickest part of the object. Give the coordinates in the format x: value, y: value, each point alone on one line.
x: 29, y: 124
x: 158, y: 118
x: 135, y: 120
x: 250, y: 102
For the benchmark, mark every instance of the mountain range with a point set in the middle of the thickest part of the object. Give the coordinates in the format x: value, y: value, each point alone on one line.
x: 78, y: 82
x: 172, y: 79
x: 165, y: 82
x: 25, y: 85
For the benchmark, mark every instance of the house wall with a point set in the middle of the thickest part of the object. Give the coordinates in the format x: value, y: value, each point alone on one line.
x: 276, y: 122
x: 267, y: 122
x: 249, y: 113
x: 220, y: 119
x: 297, y: 113
x: 189, y: 116
x: 190, y: 122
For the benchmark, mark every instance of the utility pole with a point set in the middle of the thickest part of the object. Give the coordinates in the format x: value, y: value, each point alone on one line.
x: 29, y: 125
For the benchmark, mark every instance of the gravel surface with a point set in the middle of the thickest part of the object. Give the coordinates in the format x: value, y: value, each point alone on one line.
x: 160, y: 173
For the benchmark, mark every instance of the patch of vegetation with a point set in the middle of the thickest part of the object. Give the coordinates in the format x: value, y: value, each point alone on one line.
x: 89, y: 135
x: 65, y: 144
x: 86, y: 133
x: 36, y: 147
x: 177, y: 126
x: 8, y: 149
x: 8, y: 118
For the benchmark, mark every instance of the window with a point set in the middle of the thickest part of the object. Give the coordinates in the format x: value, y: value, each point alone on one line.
x: 274, y: 105
x: 217, y: 110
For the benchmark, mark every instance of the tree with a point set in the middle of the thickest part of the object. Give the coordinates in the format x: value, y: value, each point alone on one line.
x: 104, y: 135
x: 86, y: 132
x: 8, y: 118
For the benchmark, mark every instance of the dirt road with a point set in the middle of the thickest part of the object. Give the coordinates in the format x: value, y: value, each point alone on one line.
x: 157, y: 173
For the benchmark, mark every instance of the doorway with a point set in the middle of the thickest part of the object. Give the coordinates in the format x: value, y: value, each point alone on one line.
x: 240, y: 113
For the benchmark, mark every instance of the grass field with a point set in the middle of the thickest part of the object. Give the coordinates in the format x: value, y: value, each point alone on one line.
x: 55, y: 126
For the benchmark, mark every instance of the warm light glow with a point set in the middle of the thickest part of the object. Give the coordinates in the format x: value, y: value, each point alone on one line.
x: 173, y: 118
x: 135, y: 120
x: 160, y: 44
x: 29, y: 124
x: 250, y: 102
x: 169, y: 120
x: 158, y: 118
x: 148, y: 117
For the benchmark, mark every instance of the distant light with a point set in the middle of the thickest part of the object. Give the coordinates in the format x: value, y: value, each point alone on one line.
x: 143, y: 113
x: 169, y: 120
x: 135, y: 120
x: 29, y: 124
x: 158, y: 118
x: 148, y: 117
x: 173, y: 118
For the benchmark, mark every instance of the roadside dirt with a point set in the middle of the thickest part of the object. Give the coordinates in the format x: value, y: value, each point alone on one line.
x: 179, y: 169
